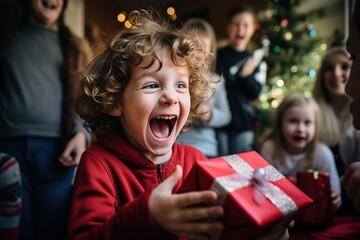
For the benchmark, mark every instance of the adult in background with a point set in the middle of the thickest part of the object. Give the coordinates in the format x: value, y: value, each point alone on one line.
x: 337, y: 130
x: 38, y: 126
x: 347, y: 226
x: 239, y: 69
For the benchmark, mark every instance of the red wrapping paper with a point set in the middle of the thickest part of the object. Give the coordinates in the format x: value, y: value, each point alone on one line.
x: 317, y: 186
x: 246, y: 216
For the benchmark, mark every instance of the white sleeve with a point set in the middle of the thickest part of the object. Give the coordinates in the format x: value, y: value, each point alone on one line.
x: 325, y: 162
x: 261, y: 75
x: 221, y: 114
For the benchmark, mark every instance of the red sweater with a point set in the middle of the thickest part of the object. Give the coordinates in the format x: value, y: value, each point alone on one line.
x: 113, y: 186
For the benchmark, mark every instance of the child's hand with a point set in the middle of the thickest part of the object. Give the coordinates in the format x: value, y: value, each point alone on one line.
x: 248, y: 68
x: 336, y: 200
x: 180, y: 214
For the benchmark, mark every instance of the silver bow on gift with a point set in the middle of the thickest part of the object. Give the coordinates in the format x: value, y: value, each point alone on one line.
x: 261, y: 179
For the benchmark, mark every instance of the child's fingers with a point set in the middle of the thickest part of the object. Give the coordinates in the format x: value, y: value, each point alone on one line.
x: 194, y: 198
x: 200, y: 213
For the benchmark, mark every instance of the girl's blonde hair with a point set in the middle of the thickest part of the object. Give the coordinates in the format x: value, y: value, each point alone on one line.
x: 105, y: 79
x: 334, y: 122
x: 276, y: 134
x: 203, y: 28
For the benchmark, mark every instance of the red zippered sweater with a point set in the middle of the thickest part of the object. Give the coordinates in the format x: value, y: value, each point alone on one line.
x: 113, y: 186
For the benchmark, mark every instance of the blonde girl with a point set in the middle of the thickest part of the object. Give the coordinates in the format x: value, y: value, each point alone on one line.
x: 293, y: 144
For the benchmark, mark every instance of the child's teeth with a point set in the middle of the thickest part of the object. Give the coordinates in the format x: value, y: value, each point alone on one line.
x: 165, y: 117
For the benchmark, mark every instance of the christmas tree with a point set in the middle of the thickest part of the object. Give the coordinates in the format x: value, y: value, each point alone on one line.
x: 294, y: 54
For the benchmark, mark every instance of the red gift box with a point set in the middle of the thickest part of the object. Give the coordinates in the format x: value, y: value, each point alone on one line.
x: 317, y: 186
x: 255, y: 196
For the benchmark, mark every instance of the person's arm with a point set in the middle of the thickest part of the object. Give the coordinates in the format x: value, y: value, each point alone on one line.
x: 221, y: 114
x: 80, y: 138
x: 249, y: 86
x: 73, y: 150
x: 245, y: 79
x: 325, y: 162
x: 76, y: 145
x: 96, y: 212
x: 248, y: 68
x: 351, y: 180
x: 245, y: 83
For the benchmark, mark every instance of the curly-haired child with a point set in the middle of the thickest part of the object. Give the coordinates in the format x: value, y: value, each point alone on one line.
x: 136, y: 97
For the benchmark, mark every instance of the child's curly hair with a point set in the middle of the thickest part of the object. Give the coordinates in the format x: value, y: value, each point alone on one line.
x: 109, y: 73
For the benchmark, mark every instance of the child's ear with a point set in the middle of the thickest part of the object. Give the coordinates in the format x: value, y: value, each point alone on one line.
x: 117, y: 112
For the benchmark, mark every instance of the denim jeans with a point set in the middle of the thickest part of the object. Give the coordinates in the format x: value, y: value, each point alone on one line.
x: 234, y: 142
x: 46, y: 186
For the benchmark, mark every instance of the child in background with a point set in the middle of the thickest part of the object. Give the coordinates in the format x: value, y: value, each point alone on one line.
x: 293, y: 146
x: 215, y: 113
x: 137, y: 96
x: 239, y: 69
x: 348, y: 226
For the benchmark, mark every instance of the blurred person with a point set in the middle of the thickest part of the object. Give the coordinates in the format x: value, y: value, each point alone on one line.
x: 337, y: 130
x: 293, y: 145
x: 215, y: 113
x: 38, y: 124
x: 137, y: 96
x: 351, y: 178
x: 239, y: 68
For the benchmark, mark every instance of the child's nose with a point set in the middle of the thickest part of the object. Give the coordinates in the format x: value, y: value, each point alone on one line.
x: 169, y: 97
x: 301, y: 127
x: 338, y: 71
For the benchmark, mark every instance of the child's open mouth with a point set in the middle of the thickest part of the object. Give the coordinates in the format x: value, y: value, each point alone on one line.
x: 240, y: 37
x: 298, y: 138
x: 162, y: 126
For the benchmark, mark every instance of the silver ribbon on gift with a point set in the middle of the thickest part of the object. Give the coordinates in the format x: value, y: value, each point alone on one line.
x: 261, y: 179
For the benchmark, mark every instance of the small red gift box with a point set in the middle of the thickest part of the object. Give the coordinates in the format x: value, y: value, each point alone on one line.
x: 255, y: 196
x: 317, y: 186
